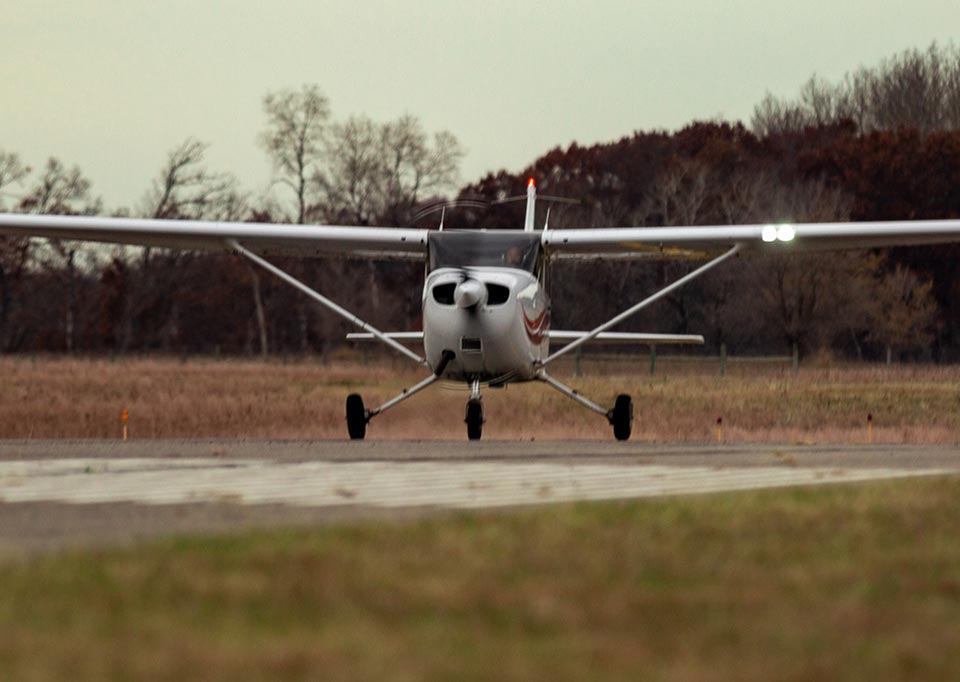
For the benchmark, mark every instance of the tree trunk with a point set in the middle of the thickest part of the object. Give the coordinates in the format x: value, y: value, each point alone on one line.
x: 302, y: 319
x: 4, y: 306
x: 71, y: 303
x: 258, y: 307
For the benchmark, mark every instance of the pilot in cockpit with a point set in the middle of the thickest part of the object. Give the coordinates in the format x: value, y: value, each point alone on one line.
x: 513, y: 258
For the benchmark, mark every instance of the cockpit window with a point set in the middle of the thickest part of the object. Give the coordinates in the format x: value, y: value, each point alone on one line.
x: 484, y: 249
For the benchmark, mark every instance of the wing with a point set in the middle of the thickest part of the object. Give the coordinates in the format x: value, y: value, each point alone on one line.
x: 264, y: 238
x: 639, y: 242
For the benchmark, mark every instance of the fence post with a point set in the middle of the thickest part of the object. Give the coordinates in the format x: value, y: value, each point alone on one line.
x: 796, y: 358
x: 577, y: 356
x: 653, y: 358
x: 723, y: 359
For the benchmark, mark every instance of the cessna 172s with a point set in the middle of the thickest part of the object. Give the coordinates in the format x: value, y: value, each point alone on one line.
x: 486, y: 312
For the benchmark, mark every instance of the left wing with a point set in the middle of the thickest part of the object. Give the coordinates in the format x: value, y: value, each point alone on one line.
x: 639, y: 242
x: 263, y: 238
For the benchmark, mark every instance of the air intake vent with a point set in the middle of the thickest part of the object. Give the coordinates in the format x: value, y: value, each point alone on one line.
x: 497, y: 294
x: 470, y: 345
x: 443, y: 293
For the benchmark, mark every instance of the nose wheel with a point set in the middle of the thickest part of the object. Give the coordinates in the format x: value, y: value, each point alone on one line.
x: 474, y: 419
x: 474, y: 413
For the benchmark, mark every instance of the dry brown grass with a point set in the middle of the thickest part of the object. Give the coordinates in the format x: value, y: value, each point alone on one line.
x: 168, y: 398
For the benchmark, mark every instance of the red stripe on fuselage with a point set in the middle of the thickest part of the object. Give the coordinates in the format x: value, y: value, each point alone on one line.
x: 536, y: 328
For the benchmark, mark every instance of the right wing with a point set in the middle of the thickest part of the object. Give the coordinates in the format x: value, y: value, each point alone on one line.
x: 263, y: 238
x: 639, y: 242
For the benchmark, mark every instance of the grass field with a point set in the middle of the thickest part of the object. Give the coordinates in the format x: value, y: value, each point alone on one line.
x: 61, y: 398
x: 844, y: 583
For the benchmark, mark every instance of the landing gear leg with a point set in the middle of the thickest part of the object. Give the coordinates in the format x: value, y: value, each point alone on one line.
x: 620, y: 415
x: 358, y: 416
x: 474, y: 413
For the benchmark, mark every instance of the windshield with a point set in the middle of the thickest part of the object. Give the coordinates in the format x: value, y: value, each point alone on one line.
x: 496, y: 249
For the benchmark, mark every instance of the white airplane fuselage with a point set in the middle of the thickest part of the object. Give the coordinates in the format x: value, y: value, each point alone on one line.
x: 493, y: 319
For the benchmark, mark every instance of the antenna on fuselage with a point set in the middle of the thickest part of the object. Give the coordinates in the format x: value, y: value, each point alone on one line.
x: 531, y: 205
x: 546, y: 222
x: 443, y: 213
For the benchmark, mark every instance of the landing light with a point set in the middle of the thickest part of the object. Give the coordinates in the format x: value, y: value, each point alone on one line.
x: 778, y: 233
x: 786, y: 233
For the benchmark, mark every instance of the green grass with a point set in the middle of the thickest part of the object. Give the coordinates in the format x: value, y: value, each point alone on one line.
x: 858, y: 582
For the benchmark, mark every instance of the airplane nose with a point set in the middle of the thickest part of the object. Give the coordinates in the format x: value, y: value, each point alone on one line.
x: 469, y: 293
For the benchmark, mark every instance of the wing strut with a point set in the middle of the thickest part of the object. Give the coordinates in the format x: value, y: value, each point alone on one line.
x: 641, y: 305
x: 324, y: 301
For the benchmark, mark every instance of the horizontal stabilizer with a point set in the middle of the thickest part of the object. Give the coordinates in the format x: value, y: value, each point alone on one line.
x: 402, y: 337
x: 563, y: 337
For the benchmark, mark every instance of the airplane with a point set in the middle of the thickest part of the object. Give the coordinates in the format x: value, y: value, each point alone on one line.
x: 486, y: 308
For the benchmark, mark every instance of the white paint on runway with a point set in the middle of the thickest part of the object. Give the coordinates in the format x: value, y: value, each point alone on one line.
x: 454, y: 484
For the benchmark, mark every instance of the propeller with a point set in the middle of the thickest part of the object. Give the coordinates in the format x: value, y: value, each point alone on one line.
x: 469, y: 294
x: 444, y: 205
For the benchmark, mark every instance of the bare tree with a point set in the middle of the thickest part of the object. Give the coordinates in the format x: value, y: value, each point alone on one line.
x: 904, y: 312
x: 951, y: 85
x: 380, y: 171
x: 62, y: 190
x: 351, y: 180
x: 12, y: 171
x: 773, y: 115
x: 914, y: 89
x: 294, y: 139
x: 15, y: 258
x: 185, y: 190
x: 855, y: 99
x: 820, y: 100
x: 908, y: 91
x: 413, y: 166
x: 14, y: 252
x: 376, y: 173
x: 806, y: 299
x: 678, y: 195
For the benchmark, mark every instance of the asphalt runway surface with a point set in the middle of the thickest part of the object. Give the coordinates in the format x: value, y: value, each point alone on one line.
x: 62, y: 494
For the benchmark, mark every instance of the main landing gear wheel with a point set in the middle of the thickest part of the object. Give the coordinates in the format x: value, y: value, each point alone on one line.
x: 474, y: 419
x: 621, y: 417
x: 356, y: 417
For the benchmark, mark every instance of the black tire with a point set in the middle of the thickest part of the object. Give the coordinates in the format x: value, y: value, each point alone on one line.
x: 474, y: 420
x: 622, y: 417
x: 356, y: 417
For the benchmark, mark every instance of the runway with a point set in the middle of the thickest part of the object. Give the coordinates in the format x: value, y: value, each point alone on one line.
x: 64, y: 493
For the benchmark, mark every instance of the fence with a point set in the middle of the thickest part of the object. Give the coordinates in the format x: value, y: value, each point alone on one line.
x: 593, y: 362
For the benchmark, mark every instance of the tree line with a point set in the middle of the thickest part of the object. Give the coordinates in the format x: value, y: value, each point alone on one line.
x: 817, y: 157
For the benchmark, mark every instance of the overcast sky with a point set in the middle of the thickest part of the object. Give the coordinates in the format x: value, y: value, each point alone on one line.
x: 112, y: 85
